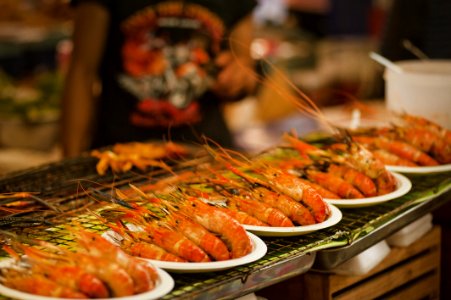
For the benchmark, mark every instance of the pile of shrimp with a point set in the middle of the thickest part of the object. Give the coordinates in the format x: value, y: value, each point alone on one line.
x: 197, y: 215
x: 122, y: 157
x: 172, y: 226
x: 339, y: 169
x: 95, y: 269
x: 415, y: 141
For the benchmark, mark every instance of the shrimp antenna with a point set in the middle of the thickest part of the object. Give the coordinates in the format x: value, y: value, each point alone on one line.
x: 225, y: 154
x: 109, y: 198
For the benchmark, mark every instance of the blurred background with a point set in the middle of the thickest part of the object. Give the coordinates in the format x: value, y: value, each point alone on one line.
x: 317, y: 46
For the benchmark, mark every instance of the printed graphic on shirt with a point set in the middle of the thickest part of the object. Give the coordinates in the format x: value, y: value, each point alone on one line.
x: 167, y: 61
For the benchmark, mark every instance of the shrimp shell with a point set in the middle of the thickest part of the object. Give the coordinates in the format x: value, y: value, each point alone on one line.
x: 399, y: 148
x: 335, y: 184
x: 207, y: 241
x: 176, y: 243
x: 362, y: 182
x: 291, y: 208
x: 235, y: 236
x: 151, y: 251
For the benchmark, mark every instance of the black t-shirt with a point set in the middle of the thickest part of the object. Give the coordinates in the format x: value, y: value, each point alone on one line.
x: 157, y: 68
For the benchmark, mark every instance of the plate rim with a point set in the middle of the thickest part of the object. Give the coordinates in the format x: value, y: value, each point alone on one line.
x: 334, y: 218
x: 165, y: 285
x: 419, y: 170
x: 260, y: 250
x: 404, y: 188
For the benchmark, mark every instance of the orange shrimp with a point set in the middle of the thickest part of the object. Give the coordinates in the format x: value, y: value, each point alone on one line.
x: 290, y: 185
x: 242, y: 217
x: 335, y: 184
x: 349, y: 154
x: 399, y: 148
x: 386, y: 183
x: 75, y: 278
x: 357, y: 156
x: 107, y: 271
x: 418, y: 137
x: 150, y: 251
x: 110, y: 273
x: 273, y: 178
x: 165, y: 237
x: 442, y: 143
x: 425, y: 140
x: 175, y: 243
x: 362, y: 182
x: 143, y: 275
x: 138, y: 244
x: 208, y: 242
x: 389, y: 158
x: 310, y: 197
x: 236, y: 238
x: 291, y: 208
x: 354, y: 156
x: 325, y: 193
x: 39, y: 284
x: 67, y: 277
x: 420, y: 122
x: 273, y: 208
x: 195, y: 242
x: 298, y: 162
x: 262, y: 211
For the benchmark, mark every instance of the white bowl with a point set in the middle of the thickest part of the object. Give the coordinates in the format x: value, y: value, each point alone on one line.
x: 423, y: 88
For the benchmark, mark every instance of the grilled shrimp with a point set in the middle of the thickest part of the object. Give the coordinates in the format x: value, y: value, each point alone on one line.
x: 324, y: 192
x: 291, y: 208
x: 175, y: 242
x: 39, y: 284
x: 142, y: 274
x: 389, y: 158
x: 337, y: 185
x: 362, y: 182
x: 151, y: 251
x: 242, y: 217
x: 399, y: 148
x: 262, y: 211
x: 220, y: 223
x: 207, y: 241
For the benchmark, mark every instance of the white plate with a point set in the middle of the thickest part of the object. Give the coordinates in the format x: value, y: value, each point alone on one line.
x: 420, y: 170
x: 403, y: 187
x: 164, y: 285
x: 258, y: 251
x: 334, y: 218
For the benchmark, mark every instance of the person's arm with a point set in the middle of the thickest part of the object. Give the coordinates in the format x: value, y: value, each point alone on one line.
x: 236, y: 77
x: 91, y: 23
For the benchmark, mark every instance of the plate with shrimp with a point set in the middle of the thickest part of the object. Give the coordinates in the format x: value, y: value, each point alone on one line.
x: 334, y: 217
x: 403, y: 186
x: 413, y: 144
x: 44, y: 271
x: 163, y: 286
x: 259, y: 250
x: 195, y: 238
x: 420, y: 170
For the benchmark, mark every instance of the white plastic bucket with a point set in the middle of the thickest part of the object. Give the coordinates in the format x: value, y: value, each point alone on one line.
x: 423, y: 88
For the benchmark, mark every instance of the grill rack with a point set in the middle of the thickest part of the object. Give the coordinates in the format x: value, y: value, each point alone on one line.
x: 286, y: 257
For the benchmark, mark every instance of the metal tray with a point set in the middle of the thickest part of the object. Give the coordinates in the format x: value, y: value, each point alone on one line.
x: 60, y: 183
x: 286, y: 257
x: 428, y: 193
